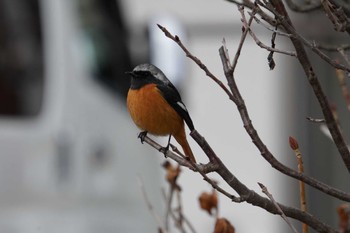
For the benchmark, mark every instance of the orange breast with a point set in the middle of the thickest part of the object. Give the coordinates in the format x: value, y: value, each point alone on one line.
x: 151, y: 112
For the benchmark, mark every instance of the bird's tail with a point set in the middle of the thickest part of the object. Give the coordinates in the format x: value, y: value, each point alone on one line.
x: 181, y: 139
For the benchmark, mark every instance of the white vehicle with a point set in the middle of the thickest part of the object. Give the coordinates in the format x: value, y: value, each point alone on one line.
x: 69, y: 161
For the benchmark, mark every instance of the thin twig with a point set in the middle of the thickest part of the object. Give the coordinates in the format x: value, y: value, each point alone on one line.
x: 295, y: 147
x: 226, y: 52
x: 256, y: 39
x: 179, y: 210
x: 344, y: 55
x: 189, y: 224
x: 321, y: 54
x: 229, y: 72
x: 241, y: 42
x: 284, y: 217
x: 258, y: 21
x: 251, y: 5
x: 150, y: 206
x: 196, y: 60
x: 183, y: 216
x: 332, y: 48
x: 315, y: 120
x: 169, y: 199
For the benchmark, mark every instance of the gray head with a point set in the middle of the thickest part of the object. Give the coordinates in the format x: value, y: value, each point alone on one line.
x: 155, y: 71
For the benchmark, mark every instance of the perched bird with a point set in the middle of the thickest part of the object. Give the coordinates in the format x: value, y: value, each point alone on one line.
x: 156, y: 107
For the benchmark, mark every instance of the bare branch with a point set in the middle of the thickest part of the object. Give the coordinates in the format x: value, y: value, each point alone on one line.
x: 168, y: 153
x: 246, y: 194
x: 297, y: 40
x: 200, y: 168
x: 253, y: 198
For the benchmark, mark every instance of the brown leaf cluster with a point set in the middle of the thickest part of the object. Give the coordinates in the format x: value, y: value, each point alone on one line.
x: 344, y: 218
x: 172, y: 173
x: 208, y: 201
x: 222, y: 225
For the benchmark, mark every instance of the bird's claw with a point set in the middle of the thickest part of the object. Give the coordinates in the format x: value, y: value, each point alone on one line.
x: 142, y: 136
x: 164, y: 150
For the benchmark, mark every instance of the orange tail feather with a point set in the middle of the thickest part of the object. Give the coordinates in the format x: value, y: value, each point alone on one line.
x: 181, y: 139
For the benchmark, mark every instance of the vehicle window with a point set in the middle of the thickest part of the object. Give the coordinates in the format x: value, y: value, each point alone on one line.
x: 21, y: 65
x: 103, y: 29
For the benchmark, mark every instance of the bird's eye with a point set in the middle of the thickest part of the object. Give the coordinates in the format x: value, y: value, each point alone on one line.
x: 142, y: 73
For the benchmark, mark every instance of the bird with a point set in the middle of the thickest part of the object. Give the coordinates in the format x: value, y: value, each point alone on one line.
x: 156, y: 107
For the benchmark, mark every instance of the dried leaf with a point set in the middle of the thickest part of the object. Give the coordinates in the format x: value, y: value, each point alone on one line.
x: 271, y: 61
x: 222, y: 225
x: 344, y: 218
x: 208, y: 201
x: 172, y: 173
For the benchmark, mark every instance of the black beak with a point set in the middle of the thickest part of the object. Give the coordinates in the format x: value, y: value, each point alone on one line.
x: 130, y: 73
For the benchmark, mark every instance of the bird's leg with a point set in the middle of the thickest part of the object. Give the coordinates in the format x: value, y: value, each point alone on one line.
x: 142, y: 136
x: 165, y: 149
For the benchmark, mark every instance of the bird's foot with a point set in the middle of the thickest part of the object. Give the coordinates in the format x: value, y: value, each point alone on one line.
x: 142, y: 136
x: 164, y: 149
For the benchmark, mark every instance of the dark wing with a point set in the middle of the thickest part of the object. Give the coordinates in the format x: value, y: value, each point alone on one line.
x: 172, y: 96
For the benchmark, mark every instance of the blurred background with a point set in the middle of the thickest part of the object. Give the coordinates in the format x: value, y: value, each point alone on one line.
x: 70, y: 159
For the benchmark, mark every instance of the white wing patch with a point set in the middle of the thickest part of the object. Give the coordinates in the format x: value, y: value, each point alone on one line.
x: 182, y: 105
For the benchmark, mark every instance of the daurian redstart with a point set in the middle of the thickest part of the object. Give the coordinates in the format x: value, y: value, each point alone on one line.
x: 156, y: 107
